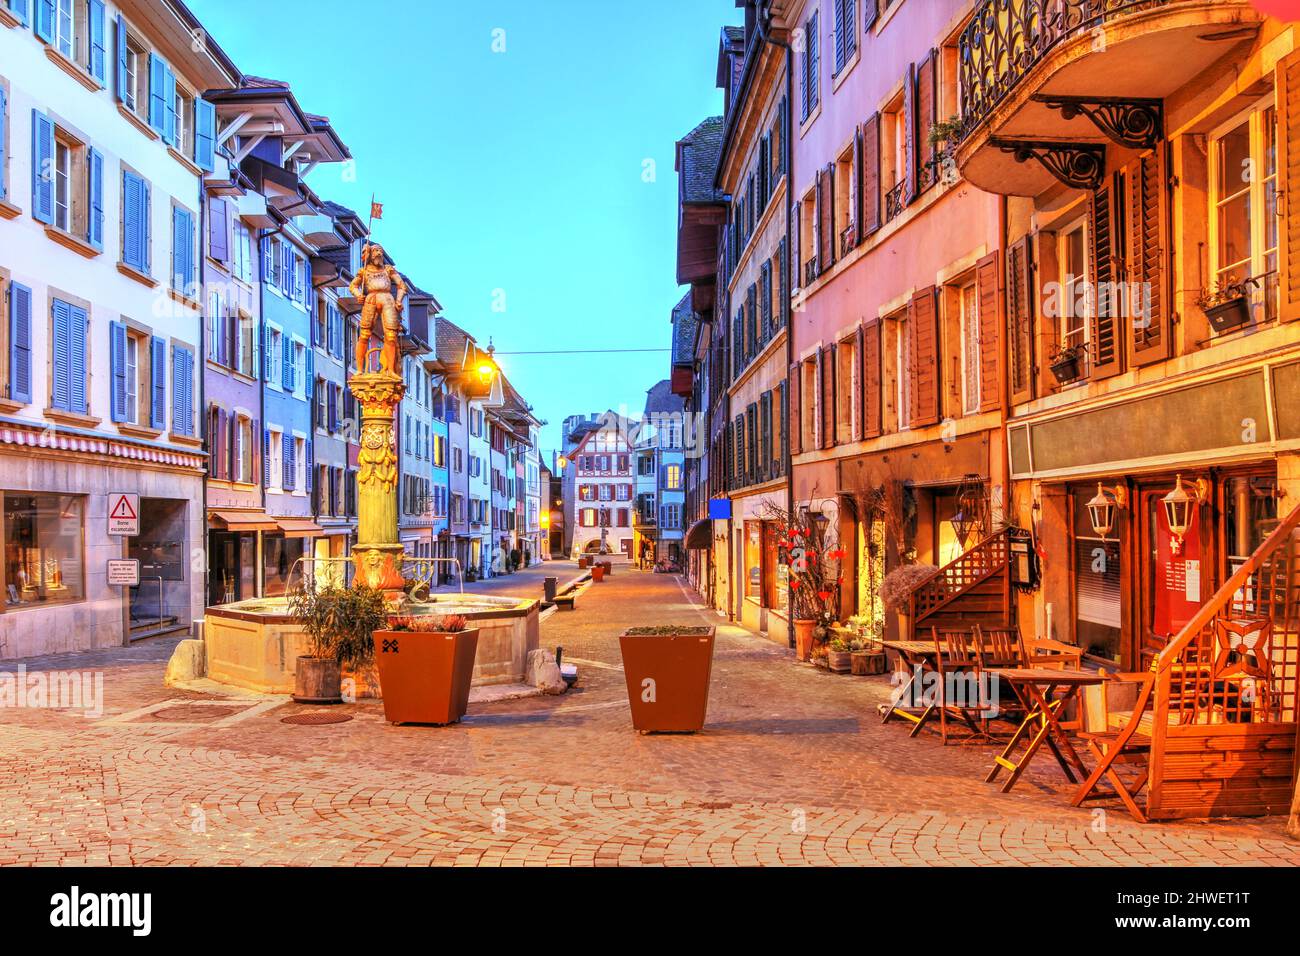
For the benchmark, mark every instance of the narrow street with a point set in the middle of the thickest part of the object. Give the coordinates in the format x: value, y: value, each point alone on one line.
x: 794, y: 767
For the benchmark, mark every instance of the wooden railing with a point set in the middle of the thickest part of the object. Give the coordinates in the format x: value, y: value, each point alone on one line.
x: 1006, y: 39
x: 1223, y: 731
x: 1264, y: 589
x: 956, y: 577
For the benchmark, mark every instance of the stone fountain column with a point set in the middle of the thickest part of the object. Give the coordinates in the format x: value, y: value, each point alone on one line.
x: 378, y: 552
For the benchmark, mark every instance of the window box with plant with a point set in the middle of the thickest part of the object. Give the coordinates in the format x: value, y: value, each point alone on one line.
x: 667, y: 669
x: 1227, y: 305
x: 339, y: 624
x: 426, y: 666
x: 1066, y: 363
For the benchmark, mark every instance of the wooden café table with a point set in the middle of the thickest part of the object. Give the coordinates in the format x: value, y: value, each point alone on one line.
x: 1037, y: 688
x: 920, y: 657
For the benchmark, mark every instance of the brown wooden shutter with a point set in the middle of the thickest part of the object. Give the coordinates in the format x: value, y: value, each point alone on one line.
x: 923, y: 318
x: 926, y: 106
x: 1106, y: 329
x: 1288, y: 135
x: 828, y: 396
x: 795, y: 251
x: 870, y: 10
x: 232, y: 447
x: 255, y: 452
x: 987, y: 275
x: 910, y: 178
x: 826, y: 227
x: 1047, y: 268
x: 869, y: 190
x: 794, y: 392
x: 1147, y: 315
x: 871, y: 381
x: 1020, y: 321
x: 818, y: 411
x: 782, y: 447
x: 857, y: 388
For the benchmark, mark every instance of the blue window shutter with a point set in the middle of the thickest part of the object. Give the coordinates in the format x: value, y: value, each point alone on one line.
x: 219, y: 229
x: 78, y: 329
x: 178, y: 400
x: 205, y: 135
x: 309, y: 468
x: 95, y: 221
x: 187, y: 234
x: 286, y: 364
x: 20, y: 343
x: 19, y: 9
x: 158, y: 382
x: 45, y: 20
x: 169, y: 106
x: 286, y: 462
x: 266, y: 458
x: 42, y: 167
x: 59, y: 352
x: 187, y: 389
x: 182, y: 251
x: 117, y: 358
x: 4, y: 106
x: 120, y: 89
x: 132, y: 220
x: 266, y: 354
x: 310, y: 377
x: 98, y: 41
x: 157, y: 105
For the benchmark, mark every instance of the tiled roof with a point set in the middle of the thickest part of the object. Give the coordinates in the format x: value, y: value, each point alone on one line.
x: 734, y: 34
x: 700, y: 150
x: 684, y: 325
x: 262, y: 83
x: 660, y: 398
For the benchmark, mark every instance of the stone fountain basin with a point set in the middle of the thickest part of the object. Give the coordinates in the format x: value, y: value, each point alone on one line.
x: 254, y: 644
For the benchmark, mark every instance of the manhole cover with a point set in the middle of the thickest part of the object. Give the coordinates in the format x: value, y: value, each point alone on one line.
x: 316, y: 717
x: 188, y: 713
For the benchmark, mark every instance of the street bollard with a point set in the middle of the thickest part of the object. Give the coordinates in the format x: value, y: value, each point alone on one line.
x: 548, y: 588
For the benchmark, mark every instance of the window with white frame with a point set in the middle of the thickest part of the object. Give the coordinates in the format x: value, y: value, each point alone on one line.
x: 64, y: 188
x: 275, y: 461
x: 184, y: 105
x: 275, y: 358
x: 216, y: 309
x: 1072, y: 255
x: 245, y: 352
x: 244, y: 444
x: 903, y: 367
x: 242, y: 258
x: 66, y: 22
x: 299, y: 361
x: 299, y: 465
x: 1244, y: 220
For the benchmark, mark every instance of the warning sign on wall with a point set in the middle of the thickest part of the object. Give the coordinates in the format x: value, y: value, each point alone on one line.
x: 124, y: 514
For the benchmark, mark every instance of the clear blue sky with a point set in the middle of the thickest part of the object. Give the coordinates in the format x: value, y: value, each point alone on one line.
x: 520, y: 171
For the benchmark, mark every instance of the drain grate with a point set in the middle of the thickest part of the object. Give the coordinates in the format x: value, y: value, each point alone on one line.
x: 316, y: 717
x: 189, y: 713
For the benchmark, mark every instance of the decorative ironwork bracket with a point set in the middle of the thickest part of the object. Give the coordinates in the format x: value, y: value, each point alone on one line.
x: 1131, y: 123
x: 1077, y: 165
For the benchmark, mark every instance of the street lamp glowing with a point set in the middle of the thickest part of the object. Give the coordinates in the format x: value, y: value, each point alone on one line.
x: 485, y: 373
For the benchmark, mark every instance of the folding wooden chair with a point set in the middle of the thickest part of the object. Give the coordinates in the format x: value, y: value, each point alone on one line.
x: 1000, y: 647
x: 1128, y: 744
x: 957, y: 659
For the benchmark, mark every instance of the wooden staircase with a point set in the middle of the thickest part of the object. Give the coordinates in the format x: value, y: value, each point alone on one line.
x: 1216, y: 750
x: 975, y: 588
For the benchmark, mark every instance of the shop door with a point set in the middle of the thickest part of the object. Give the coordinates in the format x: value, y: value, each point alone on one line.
x: 161, y: 601
x: 1174, y: 576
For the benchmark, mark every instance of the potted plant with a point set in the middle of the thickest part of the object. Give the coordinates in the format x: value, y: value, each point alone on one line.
x: 838, y: 657
x: 1066, y: 363
x: 942, y: 139
x: 339, y: 624
x: 814, y: 573
x: 1227, y: 306
x: 597, y: 573
x: 426, y: 665
x: 667, y: 671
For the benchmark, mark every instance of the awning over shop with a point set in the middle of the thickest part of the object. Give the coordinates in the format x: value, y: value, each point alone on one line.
x: 336, y: 529
x: 700, y: 536
x: 298, y: 527
x: 237, y: 521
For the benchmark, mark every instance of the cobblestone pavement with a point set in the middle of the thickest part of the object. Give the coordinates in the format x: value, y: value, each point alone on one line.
x: 794, y: 768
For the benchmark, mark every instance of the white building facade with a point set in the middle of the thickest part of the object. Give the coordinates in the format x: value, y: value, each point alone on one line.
x: 103, y: 141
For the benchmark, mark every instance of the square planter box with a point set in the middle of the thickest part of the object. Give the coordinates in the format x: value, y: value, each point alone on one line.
x: 840, y: 662
x: 668, y: 679
x: 425, y: 676
x: 1229, y: 315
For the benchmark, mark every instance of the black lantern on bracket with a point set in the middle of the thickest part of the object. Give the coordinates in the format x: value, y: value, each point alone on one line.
x: 1102, y: 509
x: 1180, y: 507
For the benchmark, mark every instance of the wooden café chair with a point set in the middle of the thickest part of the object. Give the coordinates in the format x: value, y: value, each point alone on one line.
x: 1000, y: 647
x: 1125, y: 740
x: 957, y: 658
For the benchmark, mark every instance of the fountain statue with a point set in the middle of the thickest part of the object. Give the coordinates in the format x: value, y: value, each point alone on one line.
x: 253, y: 643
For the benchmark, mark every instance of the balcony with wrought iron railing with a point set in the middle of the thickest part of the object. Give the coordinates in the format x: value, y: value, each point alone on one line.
x: 1055, y: 81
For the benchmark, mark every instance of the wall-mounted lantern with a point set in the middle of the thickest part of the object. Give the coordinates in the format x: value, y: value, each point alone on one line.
x: 1180, y: 507
x: 1102, y: 509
